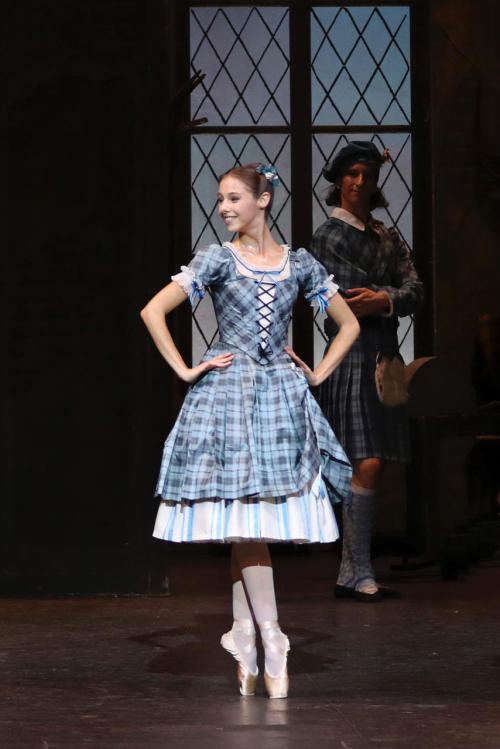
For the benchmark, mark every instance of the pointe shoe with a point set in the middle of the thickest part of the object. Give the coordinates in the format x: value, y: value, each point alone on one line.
x: 277, y: 686
x: 246, y: 679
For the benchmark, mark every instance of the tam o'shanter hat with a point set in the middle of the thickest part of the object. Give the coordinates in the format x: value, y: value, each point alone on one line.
x: 356, y: 150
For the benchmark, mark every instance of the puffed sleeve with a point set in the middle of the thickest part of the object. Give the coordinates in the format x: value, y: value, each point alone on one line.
x: 317, y: 285
x: 405, y: 290
x: 208, y: 267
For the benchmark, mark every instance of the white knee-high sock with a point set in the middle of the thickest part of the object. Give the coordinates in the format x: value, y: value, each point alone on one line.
x: 241, y: 609
x: 259, y: 583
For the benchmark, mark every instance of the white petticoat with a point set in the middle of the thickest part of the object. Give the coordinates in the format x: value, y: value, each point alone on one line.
x: 303, y: 517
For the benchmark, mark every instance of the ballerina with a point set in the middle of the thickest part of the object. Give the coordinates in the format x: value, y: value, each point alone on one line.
x: 251, y: 458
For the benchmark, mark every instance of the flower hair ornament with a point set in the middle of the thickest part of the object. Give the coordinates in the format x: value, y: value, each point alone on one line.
x: 270, y: 173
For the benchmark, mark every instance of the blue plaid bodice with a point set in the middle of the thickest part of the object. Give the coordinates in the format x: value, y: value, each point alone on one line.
x: 243, y: 301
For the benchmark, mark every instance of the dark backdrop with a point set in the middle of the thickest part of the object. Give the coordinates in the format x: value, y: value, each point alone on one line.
x: 85, y: 215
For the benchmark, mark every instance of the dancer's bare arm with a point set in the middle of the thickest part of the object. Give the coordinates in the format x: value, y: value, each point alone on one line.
x: 154, y: 314
x: 349, y: 329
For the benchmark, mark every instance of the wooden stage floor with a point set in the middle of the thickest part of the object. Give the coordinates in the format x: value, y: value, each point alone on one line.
x: 147, y: 672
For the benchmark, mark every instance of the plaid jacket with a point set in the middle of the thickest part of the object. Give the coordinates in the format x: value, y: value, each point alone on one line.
x: 377, y: 259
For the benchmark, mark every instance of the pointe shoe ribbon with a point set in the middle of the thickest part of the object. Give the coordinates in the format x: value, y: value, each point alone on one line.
x: 247, y: 680
x: 276, y: 642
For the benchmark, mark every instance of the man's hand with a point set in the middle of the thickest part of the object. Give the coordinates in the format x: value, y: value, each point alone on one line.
x: 364, y: 302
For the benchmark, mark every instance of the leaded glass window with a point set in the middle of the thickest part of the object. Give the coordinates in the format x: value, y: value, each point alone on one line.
x: 359, y: 89
x: 244, y: 53
x: 360, y: 74
x: 360, y: 65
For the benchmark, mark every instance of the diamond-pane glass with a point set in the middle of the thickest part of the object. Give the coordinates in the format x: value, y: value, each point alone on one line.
x: 360, y: 70
x: 211, y: 156
x: 395, y: 181
x: 244, y: 54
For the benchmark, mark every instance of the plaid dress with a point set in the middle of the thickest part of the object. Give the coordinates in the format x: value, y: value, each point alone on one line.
x: 251, y: 455
x: 378, y: 259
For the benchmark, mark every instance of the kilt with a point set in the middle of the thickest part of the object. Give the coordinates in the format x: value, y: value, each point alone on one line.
x: 251, y: 456
x: 365, y: 428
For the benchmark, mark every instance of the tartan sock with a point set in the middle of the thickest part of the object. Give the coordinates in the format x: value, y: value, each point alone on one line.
x: 346, y: 576
x: 356, y: 570
x: 361, y: 509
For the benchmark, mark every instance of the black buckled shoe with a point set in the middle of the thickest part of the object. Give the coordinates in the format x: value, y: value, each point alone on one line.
x: 342, y: 591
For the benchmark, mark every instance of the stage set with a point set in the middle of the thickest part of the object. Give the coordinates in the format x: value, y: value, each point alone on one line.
x: 118, y: 118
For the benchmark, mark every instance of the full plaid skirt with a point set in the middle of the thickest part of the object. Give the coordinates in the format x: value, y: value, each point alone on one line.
x: 251, y: 456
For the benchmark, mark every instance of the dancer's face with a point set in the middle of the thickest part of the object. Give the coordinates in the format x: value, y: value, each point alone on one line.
x: 239, y: 208
x: 357, y: 186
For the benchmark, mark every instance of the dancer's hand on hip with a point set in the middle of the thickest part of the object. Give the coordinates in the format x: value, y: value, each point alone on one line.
x: 221, y: 361
x: 312, y: 379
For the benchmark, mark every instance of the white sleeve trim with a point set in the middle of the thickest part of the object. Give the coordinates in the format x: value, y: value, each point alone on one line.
x: 185, y: 279
x: 320, y: 295
x: 331, y: 287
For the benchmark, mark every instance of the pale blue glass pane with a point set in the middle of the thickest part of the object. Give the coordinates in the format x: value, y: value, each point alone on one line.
x: 244, y: 55
x: 211, y: 156
x: 360, y: 65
